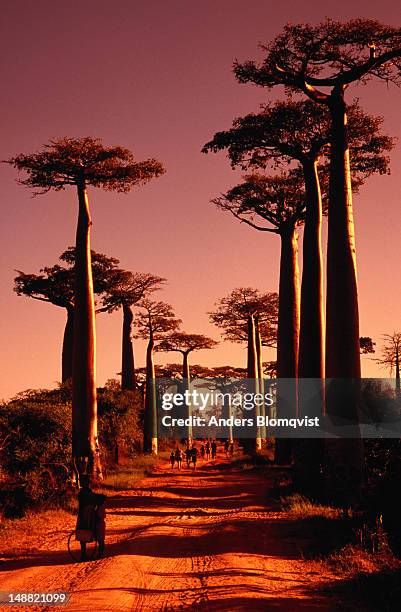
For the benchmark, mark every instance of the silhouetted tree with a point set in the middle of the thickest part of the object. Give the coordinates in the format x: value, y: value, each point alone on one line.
x: 126, y: 290
x: 391, y: 357
x: 333, y: 55
x: 181, y: 342
x: 55, y: 285
x: 80, y: 163
x: 366, y: 345
x: 279, y: 201
x: 246, y: 315
x: 155, y: 320
x: 300, y: 130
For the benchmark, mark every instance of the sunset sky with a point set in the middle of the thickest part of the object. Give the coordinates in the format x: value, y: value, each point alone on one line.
x: 156, y: 77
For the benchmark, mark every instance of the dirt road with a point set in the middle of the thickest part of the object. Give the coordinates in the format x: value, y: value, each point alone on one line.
x: 209, y: 540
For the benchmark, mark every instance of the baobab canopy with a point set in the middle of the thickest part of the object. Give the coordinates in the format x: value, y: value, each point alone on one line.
x: 73, y: 161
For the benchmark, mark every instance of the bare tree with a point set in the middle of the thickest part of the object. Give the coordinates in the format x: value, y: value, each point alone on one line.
x: 391, y: 356
x: 79, y: 163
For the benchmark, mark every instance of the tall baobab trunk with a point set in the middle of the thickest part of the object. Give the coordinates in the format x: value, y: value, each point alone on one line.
x: 308, y: 453
x: 311, y: 337
x: 128, y: 379
x: 261, y: 433
x: 287, y: 336
x: 250, y: 443
x: 342, y: 317
x: 150, y: 418
x: 85, y: 447
x: 68, y: 346
x: 185, y: 387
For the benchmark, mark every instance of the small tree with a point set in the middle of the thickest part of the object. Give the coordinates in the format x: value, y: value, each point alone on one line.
x: 126, y: 290
x: 366, y: 345
x: 391, y: 357
x: 79, y: 163
x: 155, y: 320
x: 55, y: 285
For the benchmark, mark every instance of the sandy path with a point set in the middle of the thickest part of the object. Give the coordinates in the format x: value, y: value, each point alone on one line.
x: 208, y: 540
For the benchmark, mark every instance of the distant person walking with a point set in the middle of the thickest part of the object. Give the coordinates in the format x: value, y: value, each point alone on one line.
x: 172, y: 459
x: 214, y: 449
x: 208, y: 450
x: 188, y: 454
x: 231, y: 449
x: 202, y: 451
x: 178, y: 457
x: 226, y: 447
x: 194, y: 456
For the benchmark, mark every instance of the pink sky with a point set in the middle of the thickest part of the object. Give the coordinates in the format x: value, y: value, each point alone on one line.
x: 156, y: 77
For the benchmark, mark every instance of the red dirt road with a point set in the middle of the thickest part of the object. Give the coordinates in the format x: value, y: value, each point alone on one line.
x: 209, y: 540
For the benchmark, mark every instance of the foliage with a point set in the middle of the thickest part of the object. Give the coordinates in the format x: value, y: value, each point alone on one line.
x: 119, y: 414
x: 366, y: 345
x: 155, y: 319
x: 55, y: 284
x: 331, y: 53
x: 184, y: 343
x: 232, y: 312
x: 278, y: 200
x: 300, y: 130
x: 127, y: 288
x: 84, y: 161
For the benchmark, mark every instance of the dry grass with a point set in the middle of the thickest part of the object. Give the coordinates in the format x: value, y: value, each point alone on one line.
x: 25, y: 535
x: 301, y: 508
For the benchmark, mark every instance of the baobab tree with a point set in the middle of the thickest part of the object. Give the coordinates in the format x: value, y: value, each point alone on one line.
x: 154, y: 321
x: 280, y: 201
x: 55, y: 285
x: 305, y: 58
x: 80, y: 163
x: 126, y: 290
x: 185, y: 344
x: 391, y: 357
x: 248, y: 316
x: 288, y: 131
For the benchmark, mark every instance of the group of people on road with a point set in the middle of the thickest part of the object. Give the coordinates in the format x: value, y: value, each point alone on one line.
x: 190, y: 454
x: 208, y: 450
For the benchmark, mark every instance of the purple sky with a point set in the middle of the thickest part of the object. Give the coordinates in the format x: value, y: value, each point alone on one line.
x: 156, y: 77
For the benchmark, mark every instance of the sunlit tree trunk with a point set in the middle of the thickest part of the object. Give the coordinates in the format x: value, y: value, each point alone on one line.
x: 150, y: 418
x: 342, y: 317
x: 308, y: 453
x: 185, y: 387
x: 261, y: 433
x: 287, y: 336
x: 250, y: 444
x: 128, y: 379
x: 68, y: 346
x: 84, y: 402
x: 311, y: 337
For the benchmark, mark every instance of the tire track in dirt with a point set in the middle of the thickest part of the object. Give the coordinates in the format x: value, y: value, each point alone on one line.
x: 203, y: 540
